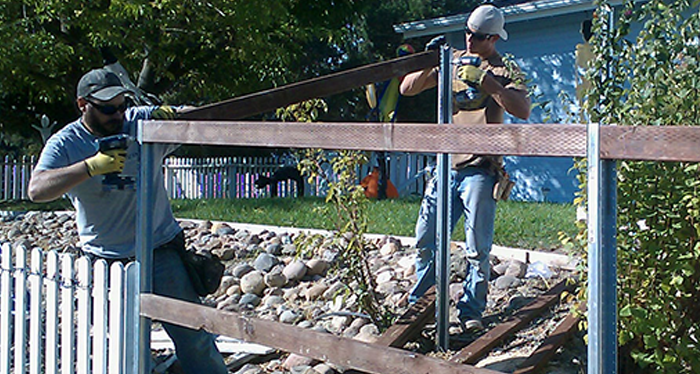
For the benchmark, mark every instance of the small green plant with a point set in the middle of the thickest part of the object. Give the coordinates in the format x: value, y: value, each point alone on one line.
x: 345, y: 208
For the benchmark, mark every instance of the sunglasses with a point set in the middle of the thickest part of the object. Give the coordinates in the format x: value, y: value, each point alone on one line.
x: 108, y: 110
x: 476, y: 35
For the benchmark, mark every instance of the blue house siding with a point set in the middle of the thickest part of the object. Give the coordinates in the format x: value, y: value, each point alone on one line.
x: 544, y: 49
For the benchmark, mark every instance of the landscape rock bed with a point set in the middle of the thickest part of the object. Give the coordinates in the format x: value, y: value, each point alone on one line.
x: 268, y: 277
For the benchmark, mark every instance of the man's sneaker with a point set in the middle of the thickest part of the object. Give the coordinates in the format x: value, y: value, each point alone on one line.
x: 472, y: 325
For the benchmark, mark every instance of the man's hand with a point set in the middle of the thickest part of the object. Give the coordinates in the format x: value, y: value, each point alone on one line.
x: 470, y: 73
x: 111, y: 161
x: 435, y: 43
x: 164, y: 112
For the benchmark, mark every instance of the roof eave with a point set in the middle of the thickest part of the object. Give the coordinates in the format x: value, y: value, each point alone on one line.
x: 514, y: 13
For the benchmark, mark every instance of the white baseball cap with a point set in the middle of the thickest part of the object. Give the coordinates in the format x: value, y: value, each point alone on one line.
x: 487, y: 19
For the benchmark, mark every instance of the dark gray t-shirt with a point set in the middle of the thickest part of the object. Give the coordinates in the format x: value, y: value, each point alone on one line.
x: 106, y: 218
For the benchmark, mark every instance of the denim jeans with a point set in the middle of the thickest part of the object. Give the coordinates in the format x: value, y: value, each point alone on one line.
x: 195, y: 349
x: 472, y: 196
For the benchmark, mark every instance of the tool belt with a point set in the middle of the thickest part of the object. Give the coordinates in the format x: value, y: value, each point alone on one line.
x: 503, y: 186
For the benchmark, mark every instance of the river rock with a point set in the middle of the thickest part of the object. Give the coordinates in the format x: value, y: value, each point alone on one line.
x: 275, y: 279
x: 274, y: 248
x: 324, y: 369
x: 297, y: 360
x: 289, y: 317
x: 500, y: 268
x: 240, y: 270
x: 249, y: 299
x: 295, y: 270
x: 316, y: 291
x: 316, y: 267
x: 389, y: 249
x: 507, y: 281
x: 253, y: 282
x: 234, y: 289
x: 516, y: 268
x: 289, y: 249
x: 273, y: 301
x: 265, y: 262
x: 333, y: 290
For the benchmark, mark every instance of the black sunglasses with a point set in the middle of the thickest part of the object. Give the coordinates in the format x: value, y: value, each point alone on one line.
x: 108, y: 110
x: 476, y: 35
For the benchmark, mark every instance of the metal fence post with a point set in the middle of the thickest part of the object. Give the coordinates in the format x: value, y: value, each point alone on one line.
x: 144, y: 244
x: 602, y: 249
x: 442, y: 264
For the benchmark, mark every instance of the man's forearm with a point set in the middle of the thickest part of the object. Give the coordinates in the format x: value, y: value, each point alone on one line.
x: 418, y: 81
x: 515, y: 102
x: 49, y: 185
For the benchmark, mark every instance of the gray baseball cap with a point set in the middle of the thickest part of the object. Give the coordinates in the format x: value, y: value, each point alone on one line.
x: 487, y: 19
x: 100, y: 84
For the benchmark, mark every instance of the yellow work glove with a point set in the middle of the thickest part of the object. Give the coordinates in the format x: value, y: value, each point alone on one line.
x: 470, y: 73
x: 111, y: 161
x: 164, y: 112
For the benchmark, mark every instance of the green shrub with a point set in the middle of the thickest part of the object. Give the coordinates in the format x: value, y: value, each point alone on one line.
x: 656, y: 82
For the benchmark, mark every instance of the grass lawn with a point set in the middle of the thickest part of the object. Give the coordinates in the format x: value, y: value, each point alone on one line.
x: 518, y: 224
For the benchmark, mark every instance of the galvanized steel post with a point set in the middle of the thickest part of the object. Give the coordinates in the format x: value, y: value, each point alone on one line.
x: 144, y: 244
x: 442, y: 262
x: 602, y: 249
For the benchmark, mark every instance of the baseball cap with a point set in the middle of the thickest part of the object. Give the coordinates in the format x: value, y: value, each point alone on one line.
x: 487, y: 19
x: 100, y: 84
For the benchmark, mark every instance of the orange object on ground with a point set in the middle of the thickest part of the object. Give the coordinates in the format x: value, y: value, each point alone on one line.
x: 371, y: 185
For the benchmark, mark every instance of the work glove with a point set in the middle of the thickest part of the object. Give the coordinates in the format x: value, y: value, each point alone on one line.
x: 471, y: 74
x: 164, y: 112
x: 111, y: 161
x: 435, y: 43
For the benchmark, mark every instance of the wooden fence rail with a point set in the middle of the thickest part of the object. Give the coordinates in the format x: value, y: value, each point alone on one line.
x: 667, y: 143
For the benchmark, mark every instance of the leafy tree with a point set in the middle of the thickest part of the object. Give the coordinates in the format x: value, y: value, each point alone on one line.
x: 655, y: 82
x: 184, y: 51
x: 194, y: 51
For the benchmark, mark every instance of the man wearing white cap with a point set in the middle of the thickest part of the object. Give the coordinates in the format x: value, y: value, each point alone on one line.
x: 484, y: 86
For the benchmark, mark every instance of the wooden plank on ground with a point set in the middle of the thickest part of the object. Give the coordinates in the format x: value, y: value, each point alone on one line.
x: 541, y: 356
x: 371, y: 358
x: 482, y: 346
x: 410, y: 323
x: 668, y: 143
x: 269, y: 100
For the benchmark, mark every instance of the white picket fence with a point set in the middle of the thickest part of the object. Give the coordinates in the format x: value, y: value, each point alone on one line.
x: 234, y: 177
x: 61, y: 314
x: 14, y: 177
x: 229, y: 177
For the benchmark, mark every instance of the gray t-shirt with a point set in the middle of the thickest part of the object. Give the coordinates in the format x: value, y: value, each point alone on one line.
x: 106, y: 218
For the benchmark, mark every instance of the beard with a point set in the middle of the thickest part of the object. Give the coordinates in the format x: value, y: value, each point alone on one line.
x: 101, y: 128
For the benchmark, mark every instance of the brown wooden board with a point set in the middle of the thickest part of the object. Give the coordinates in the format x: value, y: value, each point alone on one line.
x: 480, y: 347
x: 653, y: 143
x: 544, y: 140
x: 668, y: 143
x: 269, y: 100
x: 349, y: 353
x: 541, y: 356
x: 410, y: 323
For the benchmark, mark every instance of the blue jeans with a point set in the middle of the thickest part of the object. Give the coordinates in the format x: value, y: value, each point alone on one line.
x: 472, y: 196
x: 195, y: 349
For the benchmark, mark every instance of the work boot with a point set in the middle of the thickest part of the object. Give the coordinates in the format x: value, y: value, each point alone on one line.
x: 471, y: 325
